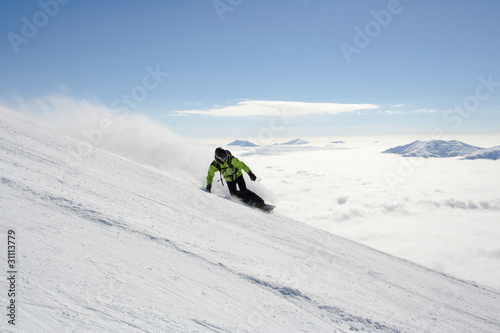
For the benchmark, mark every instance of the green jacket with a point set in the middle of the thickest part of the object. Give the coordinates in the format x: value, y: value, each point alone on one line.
x: 231, y: 169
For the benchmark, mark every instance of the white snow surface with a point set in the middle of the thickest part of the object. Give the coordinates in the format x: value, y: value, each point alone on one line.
x: 110, y: 245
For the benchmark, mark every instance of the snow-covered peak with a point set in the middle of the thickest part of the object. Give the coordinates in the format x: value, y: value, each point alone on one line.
x: 242, y: 143
x: 295, y: 142
x: 492, y: 153
x: 434, y: 148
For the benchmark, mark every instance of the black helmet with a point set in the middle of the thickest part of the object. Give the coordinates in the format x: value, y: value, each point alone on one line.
x: 220, y: 155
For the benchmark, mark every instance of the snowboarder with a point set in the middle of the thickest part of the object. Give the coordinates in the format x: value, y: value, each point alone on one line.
x: 230, y: 167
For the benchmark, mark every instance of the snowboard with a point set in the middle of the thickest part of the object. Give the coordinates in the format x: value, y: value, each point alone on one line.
x: 266, y: 208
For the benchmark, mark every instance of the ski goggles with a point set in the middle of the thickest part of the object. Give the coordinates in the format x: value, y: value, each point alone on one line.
x: 222, y: 159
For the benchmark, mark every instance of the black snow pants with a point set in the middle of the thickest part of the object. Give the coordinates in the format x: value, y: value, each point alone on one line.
x: 243, y: 193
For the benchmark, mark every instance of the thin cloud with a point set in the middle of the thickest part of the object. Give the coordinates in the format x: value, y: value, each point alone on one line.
x: 425, y: 111
x: 276, y: 108
x: 392, y: 112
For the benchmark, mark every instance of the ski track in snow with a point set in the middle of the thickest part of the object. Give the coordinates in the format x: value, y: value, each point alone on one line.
x: 109, y: 245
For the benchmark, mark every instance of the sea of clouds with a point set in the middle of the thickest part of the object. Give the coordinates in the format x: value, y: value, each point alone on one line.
x: 442, y: 213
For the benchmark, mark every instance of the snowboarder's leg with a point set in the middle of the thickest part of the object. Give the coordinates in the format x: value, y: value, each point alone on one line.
x: 232, y: 189
x: 247, y: 195
x: 236, y: 193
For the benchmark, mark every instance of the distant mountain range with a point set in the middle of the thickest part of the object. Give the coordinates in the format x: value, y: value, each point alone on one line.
x: 441, y: 148
x: 294, y: 142
x: 242, y: 143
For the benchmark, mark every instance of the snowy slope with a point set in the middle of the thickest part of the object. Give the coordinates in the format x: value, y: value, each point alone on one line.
x: 434, y: 148
x: 108, y: 245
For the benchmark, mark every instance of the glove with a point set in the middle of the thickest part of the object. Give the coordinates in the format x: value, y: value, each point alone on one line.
x: 252, y: 176
x: 209, y: 188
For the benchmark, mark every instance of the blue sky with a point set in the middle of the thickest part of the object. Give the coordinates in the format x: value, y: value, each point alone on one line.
x: 204, y: 67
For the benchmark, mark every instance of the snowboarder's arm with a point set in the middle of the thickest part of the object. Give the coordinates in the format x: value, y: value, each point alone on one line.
x: 252, y: 176
x: 211, y: 172
x: 240, y: 165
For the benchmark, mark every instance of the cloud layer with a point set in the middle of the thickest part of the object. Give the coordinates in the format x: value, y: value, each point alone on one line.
x: 278, y: 108
x: 442, y: 213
